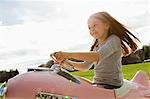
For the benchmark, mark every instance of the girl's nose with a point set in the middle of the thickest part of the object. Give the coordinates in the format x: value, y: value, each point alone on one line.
x: 92, y: 32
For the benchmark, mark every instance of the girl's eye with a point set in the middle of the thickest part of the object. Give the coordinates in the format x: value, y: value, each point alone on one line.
x: 89, y: 27
x: 92, y: 26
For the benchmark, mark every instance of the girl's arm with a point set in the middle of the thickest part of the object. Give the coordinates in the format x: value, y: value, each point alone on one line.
x: 81, y: 66
x: 91, y: 56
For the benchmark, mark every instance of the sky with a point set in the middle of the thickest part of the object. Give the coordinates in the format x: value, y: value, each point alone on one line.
x: 32, y: 29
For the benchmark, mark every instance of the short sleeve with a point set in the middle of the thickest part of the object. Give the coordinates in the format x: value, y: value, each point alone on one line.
x: 87, y: 65
x: 112, y: 45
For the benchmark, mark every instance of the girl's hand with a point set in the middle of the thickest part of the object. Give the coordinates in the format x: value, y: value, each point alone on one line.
x: 59, y: 57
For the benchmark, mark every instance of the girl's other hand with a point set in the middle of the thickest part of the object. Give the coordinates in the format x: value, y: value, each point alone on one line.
x: 59, y: 56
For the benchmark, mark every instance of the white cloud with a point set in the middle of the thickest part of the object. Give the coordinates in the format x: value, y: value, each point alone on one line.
x: 48, y: 26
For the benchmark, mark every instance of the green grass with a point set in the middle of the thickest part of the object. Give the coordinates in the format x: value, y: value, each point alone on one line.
x: 128, y: 71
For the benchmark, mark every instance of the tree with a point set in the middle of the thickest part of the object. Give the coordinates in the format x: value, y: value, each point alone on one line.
x: 5, y: 75
x: 146, y: 50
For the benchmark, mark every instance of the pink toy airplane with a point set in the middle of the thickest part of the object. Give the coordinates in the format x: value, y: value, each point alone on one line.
x: 57, y: 83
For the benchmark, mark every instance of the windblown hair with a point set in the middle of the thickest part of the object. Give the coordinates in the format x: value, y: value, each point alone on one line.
x: 128, y: 40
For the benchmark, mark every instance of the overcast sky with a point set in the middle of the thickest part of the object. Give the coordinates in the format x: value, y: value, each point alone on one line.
x: 35, y: 28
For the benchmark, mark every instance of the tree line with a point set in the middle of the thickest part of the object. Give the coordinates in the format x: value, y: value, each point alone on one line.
x: 139, y: 56
x: 5, y: 75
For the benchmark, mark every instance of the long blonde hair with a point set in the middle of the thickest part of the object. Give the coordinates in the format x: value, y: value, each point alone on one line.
x: 128, y: 40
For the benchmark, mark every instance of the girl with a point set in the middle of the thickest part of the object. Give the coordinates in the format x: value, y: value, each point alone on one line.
x: 112, y: 40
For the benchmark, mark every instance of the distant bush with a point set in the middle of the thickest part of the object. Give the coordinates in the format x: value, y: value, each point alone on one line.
x: 132, y: 58
x: 146, y: 50
x: 137, y: 57
x: 5, y: 75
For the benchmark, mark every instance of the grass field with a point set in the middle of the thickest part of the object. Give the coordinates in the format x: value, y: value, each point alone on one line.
x: 128, y: 71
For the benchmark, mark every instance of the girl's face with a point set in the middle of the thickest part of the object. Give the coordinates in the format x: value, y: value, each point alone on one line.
x: 98, y: 28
